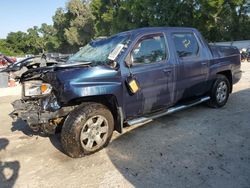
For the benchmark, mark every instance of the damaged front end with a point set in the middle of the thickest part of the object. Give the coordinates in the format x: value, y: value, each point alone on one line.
x: 44, y: 92
x: 41, y: 114
x: 39, y: 107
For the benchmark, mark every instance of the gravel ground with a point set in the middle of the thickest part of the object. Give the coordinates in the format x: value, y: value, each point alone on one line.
x: 10, y: 91
x: 198, y: 147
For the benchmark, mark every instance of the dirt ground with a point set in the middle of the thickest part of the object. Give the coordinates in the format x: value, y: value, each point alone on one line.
x: 198, y: 147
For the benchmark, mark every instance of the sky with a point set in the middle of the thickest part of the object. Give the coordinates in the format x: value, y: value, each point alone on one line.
x: 19, y: 15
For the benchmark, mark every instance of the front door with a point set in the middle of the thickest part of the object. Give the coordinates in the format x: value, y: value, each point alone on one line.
x: 154, y: 75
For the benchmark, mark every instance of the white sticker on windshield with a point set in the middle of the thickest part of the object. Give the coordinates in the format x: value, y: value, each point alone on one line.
x: 113, y: 55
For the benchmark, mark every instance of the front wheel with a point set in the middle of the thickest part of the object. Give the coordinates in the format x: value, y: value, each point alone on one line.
x: 220, y: 92
x: 87, y: 130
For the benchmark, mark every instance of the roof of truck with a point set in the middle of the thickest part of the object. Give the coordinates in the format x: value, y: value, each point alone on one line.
x: 155, y: 29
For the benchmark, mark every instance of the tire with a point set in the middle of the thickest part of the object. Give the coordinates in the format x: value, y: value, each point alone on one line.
x: 87, y: 129
x: 219, y: 92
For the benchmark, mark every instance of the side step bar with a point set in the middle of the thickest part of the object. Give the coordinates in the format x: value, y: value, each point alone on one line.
x: 171, y: 110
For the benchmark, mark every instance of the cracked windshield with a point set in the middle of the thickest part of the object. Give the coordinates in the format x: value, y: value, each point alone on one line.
x: 97, y: 51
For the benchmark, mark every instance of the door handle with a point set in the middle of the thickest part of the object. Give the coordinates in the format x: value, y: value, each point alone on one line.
x: 204, y: 63
x: 167, y: 71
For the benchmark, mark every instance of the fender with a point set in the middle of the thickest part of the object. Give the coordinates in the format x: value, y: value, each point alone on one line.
x: 71, y: 84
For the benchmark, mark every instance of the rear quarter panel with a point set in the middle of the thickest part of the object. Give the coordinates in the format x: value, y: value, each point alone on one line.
x: 228, y: 60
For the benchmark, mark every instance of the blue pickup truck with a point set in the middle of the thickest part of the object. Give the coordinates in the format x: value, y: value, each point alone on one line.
x: 129, y: 78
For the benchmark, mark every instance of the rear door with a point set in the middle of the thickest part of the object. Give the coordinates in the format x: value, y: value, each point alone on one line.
x: 154, y: 74
x: 193, y: 64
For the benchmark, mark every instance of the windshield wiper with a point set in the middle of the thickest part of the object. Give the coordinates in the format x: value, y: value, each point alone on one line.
x: 76, y: 63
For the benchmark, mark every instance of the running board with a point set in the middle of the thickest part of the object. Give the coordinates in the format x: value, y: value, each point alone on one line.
x: 171, y: 110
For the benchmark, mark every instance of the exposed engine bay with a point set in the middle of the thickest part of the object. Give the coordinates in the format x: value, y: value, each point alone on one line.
x: 38, y: 111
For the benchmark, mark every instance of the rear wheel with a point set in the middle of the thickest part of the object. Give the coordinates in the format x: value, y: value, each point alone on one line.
x: 220, y: 92
x: 87, y: 130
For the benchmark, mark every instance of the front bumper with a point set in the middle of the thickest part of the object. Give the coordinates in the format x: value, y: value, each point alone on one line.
x: 37, y: 118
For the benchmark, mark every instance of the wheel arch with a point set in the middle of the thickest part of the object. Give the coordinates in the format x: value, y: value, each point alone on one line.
x: 229, y: 76
x: 110, y: 101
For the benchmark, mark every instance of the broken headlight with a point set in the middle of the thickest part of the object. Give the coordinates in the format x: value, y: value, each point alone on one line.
x: 36, y: 88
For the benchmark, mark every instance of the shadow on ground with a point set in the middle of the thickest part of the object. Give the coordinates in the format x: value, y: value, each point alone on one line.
x: 8, y: 169
x: 199, y: 147
x: 20, y: 125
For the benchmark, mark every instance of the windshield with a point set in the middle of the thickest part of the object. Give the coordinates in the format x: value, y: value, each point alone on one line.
x: 98, y: 51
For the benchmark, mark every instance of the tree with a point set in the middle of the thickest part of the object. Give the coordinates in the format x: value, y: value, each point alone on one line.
x: 102, y: 10
x: 81, y: 23
x: 14, y: 41
x: 4, y: 48
x: 81, y: 20
x: 75, y: 25
x: 60, y: 23
x: 30, y: 42
x: 218, y: 20
x: 113, y: 16
x: 34, y: 42
x: 51, y: 42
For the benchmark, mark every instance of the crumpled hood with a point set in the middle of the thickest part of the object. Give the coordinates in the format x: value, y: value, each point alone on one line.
x: 75, y: 82
x: 38, y: 72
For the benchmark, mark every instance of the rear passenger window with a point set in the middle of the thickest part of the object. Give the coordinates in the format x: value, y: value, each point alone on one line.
x: 149, y: 49
x: 186, y: 45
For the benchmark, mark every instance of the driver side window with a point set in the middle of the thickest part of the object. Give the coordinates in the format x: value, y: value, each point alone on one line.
x: 149, y: 49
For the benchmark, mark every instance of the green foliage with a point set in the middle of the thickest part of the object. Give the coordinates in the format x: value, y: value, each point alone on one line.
x: 81, y: 20
x: 75, y: 26
x: 49, y: 37
x: 4, y: 48
x: 218, y: 20
x: 103, y: 13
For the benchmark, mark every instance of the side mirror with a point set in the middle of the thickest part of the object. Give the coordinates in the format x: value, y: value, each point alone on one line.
x: 129, y: 61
